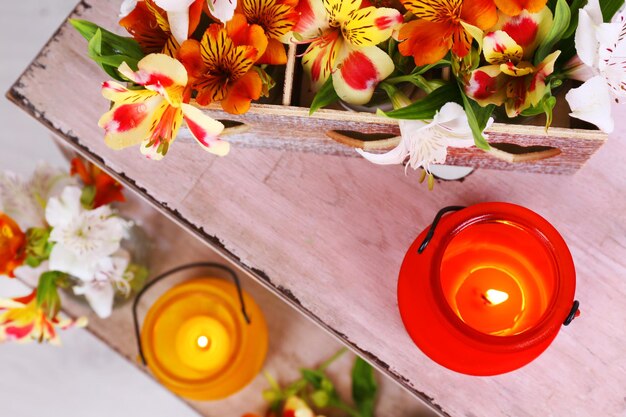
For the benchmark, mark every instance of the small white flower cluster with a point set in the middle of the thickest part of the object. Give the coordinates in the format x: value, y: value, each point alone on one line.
x: 87, y: 243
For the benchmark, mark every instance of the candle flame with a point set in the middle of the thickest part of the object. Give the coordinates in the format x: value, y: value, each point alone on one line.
x: 203, y: 342
x: 495, y: 297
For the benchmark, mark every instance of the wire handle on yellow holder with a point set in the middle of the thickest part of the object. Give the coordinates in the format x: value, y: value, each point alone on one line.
x: 172, y: 272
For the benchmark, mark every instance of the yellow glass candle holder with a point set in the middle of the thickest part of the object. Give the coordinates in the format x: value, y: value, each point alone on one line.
x: 204, y: 339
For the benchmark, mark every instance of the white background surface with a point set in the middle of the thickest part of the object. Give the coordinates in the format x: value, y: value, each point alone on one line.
x: 84, y: 378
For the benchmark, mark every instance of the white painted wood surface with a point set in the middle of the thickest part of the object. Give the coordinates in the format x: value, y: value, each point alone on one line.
x: 328, y: 234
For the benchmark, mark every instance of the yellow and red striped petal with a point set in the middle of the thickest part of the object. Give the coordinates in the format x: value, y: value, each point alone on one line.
x: 164, y: 129
x: 313, y: 20
x: 320, y: 58
x: 160, y: 73
x: 339, y: 11
x: 526, y: 29
x: 370, y: 26
x: 242, y: 92
x: 205, y: 130
x: 479, y: 13
x: 119, y: 94
x: 515, y: 7
x: 359, y: 70
x: 426, y: 41
x: 487, y: 86
x: 500, y: 48
x: 130, y: 123
x: 537, y: 88
x: 520, y: 70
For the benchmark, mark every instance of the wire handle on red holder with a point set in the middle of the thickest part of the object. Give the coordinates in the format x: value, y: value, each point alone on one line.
x: 433, y: 226
x: 172, y: 272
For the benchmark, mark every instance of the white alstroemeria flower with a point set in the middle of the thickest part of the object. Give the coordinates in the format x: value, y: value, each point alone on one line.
x: 177, y: 16
x: 25, y: 200
x: 109, y: 275
x: 127, y: 7
x: 426, y: 143
x: 82, y: 237
x: 601, y: 47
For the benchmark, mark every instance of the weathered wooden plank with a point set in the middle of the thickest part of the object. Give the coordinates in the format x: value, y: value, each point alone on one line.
x: 328, y: 235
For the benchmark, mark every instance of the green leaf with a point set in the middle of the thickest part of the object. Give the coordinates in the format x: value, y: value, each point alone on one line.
x: 364, y: 387
x: 47, y: 294
x: 121, y: 45
x: 574, y: 8
x: 327, y: 95
x: 609, y: 8
x: 108, y: 49
x: 560, y: 25
x: 428, y: 106
x: 546, y: 106
x: 477, y: 117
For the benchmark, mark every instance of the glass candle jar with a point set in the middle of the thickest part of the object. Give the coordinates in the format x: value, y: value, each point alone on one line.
x: 489, y: 290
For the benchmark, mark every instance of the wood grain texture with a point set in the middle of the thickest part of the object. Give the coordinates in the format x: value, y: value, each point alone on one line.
x: 328, y: 234
x: 295, y: 341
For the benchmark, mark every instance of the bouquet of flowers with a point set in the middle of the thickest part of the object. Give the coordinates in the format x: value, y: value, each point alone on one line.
x: 449, y: 67
x: 62, y: 230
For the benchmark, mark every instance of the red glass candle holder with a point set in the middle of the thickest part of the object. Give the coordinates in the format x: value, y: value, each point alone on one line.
x: 485, y: 290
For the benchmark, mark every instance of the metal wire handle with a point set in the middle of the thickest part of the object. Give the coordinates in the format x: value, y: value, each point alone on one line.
x: 434, y: 224
x: 172, y: 272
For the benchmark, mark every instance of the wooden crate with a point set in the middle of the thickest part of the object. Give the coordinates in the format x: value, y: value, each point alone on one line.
x: 289, y: 127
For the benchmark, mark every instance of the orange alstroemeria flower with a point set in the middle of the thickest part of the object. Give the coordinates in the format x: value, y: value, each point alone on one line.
x: 148, y: 25
x: 515, y: 7
x: 12, y: 245
x: 277, y: 18
x: 220, y: 66
x: 22, y: 320
x: 441, y: 27
x: 107, y: 189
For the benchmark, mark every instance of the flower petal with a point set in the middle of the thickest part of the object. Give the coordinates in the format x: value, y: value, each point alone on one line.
x: 434, y: 10
x: 320, y: 58
x: 395, y: 156
x: 370, y: 26
x: 145, y: 23
x: 359, y: 71
x: 160, y: 73
x: 339, y: 11
x: 222, y: 10
x: 500, y: 48
x: 99, y: 295
x: 515, y: 7
x: 274, y: 54
x: 243, y: 33
x: 312, y: 20
x: 526, y: 29
x: 486, y: 85
x: 242, y: 92
x: 537, y: 88
x: 128, y: 124
x: 65, y: 208
x: 164, y: 129
x: 428, y: 42
x: 479, y: 13
x: 591, y: 102
x: 205, y: 130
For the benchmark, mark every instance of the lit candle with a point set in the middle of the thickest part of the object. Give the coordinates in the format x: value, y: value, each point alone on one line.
x: 489, y: 291
x: 197, y: 342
